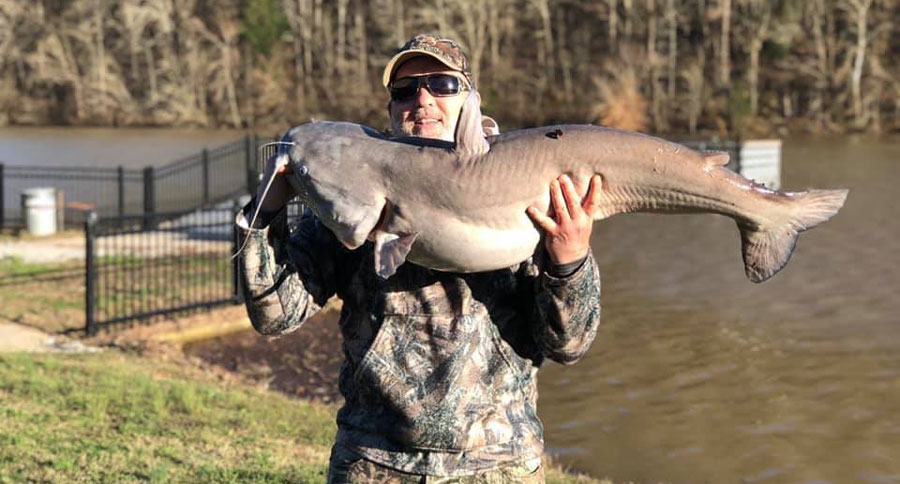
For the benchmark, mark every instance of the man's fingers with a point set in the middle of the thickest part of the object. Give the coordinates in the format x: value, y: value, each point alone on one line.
x: 573, y: 201
x: 592, y: 198
x: 559, y: 202
x: 545, y: 222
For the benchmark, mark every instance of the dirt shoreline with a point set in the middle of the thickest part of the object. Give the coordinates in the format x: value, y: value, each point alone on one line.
x: 304, y: 364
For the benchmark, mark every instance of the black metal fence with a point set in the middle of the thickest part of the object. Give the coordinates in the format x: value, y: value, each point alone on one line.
x: 206, y: 178
x: 182, y: 263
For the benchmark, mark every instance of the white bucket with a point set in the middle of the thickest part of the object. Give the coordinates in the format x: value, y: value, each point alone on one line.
x: 39, y: 205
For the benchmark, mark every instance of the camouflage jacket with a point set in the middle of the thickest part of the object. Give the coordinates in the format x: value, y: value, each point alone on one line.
x: 440, y: 369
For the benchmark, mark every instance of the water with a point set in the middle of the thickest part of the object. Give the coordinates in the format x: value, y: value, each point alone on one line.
x: 697, y: 375
x: 106, y: 147
x: 700, y: 376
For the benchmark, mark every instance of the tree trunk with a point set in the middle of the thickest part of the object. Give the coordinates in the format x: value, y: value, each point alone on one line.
x: 725, y: 45
x: 565, y: 65
x: 627, y: 5
x: 861, y: 8
x: 99, y: 10
x: 672, y: 21
x: 363, y: 46
x: 340, y: 57
x: 613, y: 20
x: 756, y: 41
x: 652, y: 60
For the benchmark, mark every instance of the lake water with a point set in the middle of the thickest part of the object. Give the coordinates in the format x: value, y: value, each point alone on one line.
x: 700, y: 376
x: 697, y: 375
x: 106, y: 147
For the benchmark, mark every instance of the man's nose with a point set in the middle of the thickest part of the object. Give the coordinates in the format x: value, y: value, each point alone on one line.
x: 424, y: 97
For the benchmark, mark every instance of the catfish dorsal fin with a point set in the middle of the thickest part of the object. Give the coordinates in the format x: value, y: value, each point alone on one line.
x: 716, y: 158
x: 469, y: 131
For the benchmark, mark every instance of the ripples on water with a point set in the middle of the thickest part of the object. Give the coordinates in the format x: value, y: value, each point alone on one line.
x: 700, y: 376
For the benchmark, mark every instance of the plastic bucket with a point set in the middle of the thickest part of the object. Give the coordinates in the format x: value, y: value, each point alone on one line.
x: 39, y: 205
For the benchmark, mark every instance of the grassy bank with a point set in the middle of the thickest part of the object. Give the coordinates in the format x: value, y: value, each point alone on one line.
x: 113, y: 417
x: 49, y: 296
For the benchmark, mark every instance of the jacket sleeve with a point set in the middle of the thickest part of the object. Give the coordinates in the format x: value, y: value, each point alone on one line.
x: 286, y: 277
x: 568, y: 312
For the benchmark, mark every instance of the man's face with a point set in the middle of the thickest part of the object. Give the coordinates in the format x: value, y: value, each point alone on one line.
x: 426, y: 115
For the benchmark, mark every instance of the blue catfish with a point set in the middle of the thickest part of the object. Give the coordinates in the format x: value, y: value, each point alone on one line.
x: 461, y: 206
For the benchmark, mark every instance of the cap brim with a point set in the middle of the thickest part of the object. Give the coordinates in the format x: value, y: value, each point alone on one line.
x: 404, y: 56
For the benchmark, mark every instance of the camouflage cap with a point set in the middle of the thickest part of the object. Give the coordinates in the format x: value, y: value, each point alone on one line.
x: 446, y: 51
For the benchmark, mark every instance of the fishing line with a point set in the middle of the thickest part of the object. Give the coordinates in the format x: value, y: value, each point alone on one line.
x: 281, y: 159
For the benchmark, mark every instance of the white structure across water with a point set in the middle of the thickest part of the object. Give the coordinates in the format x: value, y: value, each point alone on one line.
x: 760, y: 160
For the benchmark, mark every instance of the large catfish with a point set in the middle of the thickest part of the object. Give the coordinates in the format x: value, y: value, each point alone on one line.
x: 461, y: 207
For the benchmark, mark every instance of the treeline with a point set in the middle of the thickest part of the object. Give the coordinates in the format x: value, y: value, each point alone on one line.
x: 720, y: 66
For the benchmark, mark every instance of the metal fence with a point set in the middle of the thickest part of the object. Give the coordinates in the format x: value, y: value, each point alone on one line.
x: 206, y: 178
x: 182, y: 263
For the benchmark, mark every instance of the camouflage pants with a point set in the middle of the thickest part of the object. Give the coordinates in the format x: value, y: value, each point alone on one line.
x: 348, y: 468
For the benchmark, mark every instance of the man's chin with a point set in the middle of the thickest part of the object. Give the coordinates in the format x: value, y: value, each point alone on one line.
x: 434, y: 131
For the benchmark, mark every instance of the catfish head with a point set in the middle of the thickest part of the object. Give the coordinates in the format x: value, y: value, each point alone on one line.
x: 330, y: 171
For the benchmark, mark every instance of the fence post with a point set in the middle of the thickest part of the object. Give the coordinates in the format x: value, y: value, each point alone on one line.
x: 90, y: 232
x: 205, y: 163
x: 2, y: 198
x: 121, y: 191
x: 250, y: 162
x: 235, y: 246
x: 149, y: 198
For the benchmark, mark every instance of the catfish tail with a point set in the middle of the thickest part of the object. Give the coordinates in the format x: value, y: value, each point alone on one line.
x: 767, y: 251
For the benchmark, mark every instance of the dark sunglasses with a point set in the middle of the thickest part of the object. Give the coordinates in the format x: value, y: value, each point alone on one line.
x: 440, y: 85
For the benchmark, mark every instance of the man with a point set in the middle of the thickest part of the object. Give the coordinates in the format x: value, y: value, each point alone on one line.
x: 440, y: 369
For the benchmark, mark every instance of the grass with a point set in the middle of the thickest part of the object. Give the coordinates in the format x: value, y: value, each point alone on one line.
x: 118, y: 418
x: 50, y: 304
x: 29, y: 294
x: 113, y: 417
x: 15, y: 266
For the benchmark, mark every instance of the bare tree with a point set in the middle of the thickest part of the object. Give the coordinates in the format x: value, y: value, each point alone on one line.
x: 860, y: 10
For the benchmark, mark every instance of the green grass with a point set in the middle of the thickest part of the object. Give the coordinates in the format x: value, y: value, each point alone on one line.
x: 117, y: 418
x: 123, y: 282
x: 15, y: 266
x: 112, y: 417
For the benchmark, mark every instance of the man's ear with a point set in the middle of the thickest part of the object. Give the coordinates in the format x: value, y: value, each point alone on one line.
x: 469, y: 132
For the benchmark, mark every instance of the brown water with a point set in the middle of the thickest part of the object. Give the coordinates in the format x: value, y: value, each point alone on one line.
x: 106, y: 147
x: 700, y: 376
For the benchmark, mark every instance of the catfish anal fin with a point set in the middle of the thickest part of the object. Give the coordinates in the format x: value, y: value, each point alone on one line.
x: 391, y: 251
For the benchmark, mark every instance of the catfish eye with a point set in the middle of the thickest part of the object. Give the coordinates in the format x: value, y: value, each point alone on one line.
x: 303, y: 170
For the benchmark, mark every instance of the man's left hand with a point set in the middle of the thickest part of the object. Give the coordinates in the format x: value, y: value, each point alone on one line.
x: 568, y: 231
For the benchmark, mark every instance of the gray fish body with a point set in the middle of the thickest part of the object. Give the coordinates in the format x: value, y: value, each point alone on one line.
x: 465, y: 212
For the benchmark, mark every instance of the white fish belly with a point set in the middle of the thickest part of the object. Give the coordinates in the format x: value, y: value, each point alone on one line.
x: 455, y: 245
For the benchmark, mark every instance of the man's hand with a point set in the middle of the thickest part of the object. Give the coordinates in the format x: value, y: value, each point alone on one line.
x: 281, y: 192
x: 568, y: 232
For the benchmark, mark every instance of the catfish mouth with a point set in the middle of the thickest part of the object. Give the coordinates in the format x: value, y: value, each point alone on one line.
x: 382, y: 221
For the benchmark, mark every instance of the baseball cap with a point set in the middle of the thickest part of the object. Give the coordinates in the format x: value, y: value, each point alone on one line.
x: 446, y: 51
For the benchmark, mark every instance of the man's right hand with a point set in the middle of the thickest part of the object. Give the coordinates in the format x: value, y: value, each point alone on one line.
x: 281, y: 192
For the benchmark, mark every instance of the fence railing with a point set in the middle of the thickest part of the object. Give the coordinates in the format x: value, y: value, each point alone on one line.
x: 182, y: 263
x: 206, y: 178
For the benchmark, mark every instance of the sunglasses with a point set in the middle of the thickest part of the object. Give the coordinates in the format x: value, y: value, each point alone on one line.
x: 440, y: 85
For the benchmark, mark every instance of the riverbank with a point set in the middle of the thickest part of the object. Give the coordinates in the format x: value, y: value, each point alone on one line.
x: 197, y: 399
x: 119, y: 417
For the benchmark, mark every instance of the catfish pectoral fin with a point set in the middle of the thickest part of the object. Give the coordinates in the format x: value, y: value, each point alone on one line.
x: 767, y: 251
x: 391, y: 251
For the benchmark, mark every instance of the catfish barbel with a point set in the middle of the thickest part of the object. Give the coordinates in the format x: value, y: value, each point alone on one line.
x: 461, y: 207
